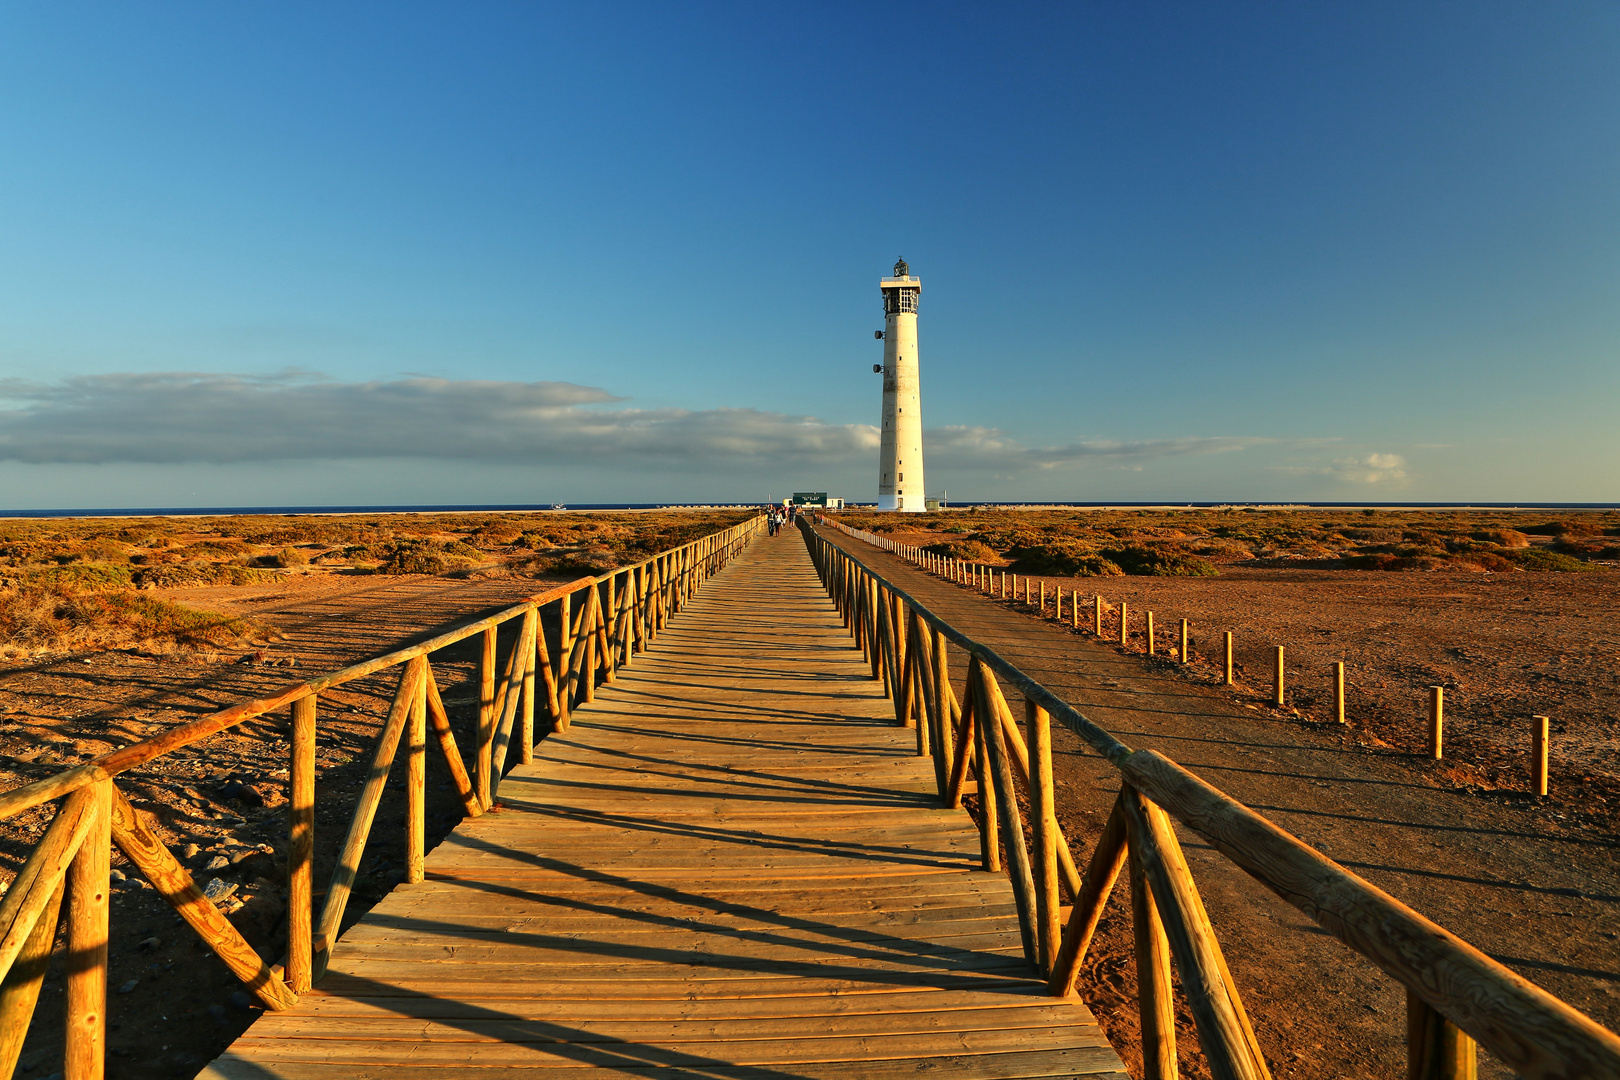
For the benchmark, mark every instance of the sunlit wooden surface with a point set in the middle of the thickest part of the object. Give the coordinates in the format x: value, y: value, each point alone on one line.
x: 732, y: 865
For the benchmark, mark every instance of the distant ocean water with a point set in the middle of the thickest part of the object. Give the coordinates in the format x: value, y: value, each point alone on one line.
x: 232, y: 511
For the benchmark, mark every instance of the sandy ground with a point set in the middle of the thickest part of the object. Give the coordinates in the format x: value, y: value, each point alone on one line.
x: 1535, y: 883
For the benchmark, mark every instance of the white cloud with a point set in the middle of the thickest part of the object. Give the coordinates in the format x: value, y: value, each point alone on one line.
x: 1372, y: 469
x: 200, y: 418
x: 182, y: 417
x: 989, y: 448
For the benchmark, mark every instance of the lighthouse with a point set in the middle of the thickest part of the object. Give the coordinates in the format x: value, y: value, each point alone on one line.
x: 900, y: 463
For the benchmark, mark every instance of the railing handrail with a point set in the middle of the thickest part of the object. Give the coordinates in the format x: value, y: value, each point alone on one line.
x: 1526, y: 1027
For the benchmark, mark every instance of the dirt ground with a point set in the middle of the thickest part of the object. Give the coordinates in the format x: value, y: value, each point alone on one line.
x: 1504, y: 646
x: 1535, y: 883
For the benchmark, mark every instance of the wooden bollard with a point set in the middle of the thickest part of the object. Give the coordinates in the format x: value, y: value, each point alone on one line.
x: 1099, y: 614
x: 1150, y: 633
x: 1338, y: 691
x: 1076, y: 599
x: 1124, y: 624
x: 1278, y: 681
x: 1229, y: 658
x: 1184, y: 653
x: 1538, y: 755
x: 1437, y: 722
x: 1043, y: 598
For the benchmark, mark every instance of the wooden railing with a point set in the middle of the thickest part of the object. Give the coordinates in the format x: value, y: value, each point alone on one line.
x: 1456, y: 995
x: 616, y: 616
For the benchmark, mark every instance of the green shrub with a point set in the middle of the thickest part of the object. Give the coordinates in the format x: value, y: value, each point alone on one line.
x: 1069, y: 559
x: 426, y: 557
x: 290, y: 556
x: 966, y: 550
x: 46, y: 617
x: 1542, y: 559
x: 1508, y: 538
x: 197, y: 573
x: 1159, y: 562
x: 83, y: 576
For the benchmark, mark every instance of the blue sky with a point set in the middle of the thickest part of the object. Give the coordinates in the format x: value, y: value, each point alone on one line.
x: 523, y: 253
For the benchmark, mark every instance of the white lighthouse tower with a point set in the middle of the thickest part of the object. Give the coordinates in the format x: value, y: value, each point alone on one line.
x: 900, y: 467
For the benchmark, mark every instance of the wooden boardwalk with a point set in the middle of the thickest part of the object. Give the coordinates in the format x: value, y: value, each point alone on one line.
x: 732, y: 865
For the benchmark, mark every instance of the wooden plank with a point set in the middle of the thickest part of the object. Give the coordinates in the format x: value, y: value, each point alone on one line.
x: 479, y: 1025
x: 1088, y: 1061
x: 735, y: 1008
x: 519, y: 1043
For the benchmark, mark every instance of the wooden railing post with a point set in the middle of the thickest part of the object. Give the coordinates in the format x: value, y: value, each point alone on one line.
x: 365, y: 811
x: 416, y: 779
x: 301, y: 845
x: 1435, y: 1049
x: 945, y: 747
x: 1044, y: 827
x: 1224, y: 1031
x: 529, y: 639
x: 1107, y: 859
x: 482, y: 766
x: 989, y: 827
x: 89, y: 886
x: 1155, y: 1002
x: 1000, y: 776
x: 19, y: 993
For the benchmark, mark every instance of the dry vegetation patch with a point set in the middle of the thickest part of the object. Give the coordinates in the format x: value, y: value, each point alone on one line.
x: 1197, y: 543
x: 74, y: 584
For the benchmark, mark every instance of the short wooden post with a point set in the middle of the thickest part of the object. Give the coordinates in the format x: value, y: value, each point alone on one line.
x: 1043, y: 597
x: 1338, y: 691
x: 1184, y: 653
x: 1099, y: 603
x: 89, y: 905
x: 1278, y: 677
x: 1229, y: 658
x: 1437, y: 722
x: 1435, y: 1048
x: 1149, y: 629
x: 1124, y: 624
x: 301, y: 845
x: 1538, y: 755
x: 1075, y: 600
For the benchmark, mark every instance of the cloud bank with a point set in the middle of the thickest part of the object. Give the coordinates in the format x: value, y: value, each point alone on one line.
x: 199, y: 418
